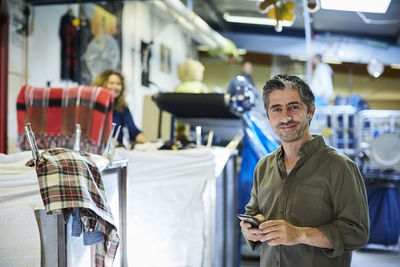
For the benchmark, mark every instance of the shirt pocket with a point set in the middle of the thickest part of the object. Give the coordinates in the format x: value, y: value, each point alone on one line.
x: 306, y: 205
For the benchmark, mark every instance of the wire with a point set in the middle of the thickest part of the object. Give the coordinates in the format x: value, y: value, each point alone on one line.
x: 375, y: 21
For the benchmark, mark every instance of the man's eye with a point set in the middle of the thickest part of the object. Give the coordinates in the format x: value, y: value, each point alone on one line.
x: 276, y: 109
x: 294, y: 107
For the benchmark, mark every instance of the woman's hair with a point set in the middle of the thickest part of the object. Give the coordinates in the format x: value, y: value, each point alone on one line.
x: 102, y: 79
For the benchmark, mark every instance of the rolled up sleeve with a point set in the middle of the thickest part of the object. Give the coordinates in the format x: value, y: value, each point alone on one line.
x: 350, y: 229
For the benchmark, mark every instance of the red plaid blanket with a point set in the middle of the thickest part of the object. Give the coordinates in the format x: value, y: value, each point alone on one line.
x: 69, y: 179
x: 54, y: 112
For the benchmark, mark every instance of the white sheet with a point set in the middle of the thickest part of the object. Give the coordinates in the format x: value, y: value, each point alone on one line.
x: 166, y: 209
x: 19, y: 238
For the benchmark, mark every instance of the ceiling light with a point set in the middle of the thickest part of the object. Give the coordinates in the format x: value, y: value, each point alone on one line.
x: 299, y: 58
x: 371, y: 6
x: 255, y: 20
x: 395, y: 66
x: 202, y: 48
x: 330, y: 60
x: 242, y: 51
x: 375, y: 68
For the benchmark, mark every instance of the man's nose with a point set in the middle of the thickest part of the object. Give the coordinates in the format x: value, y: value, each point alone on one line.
x: 286, y: 117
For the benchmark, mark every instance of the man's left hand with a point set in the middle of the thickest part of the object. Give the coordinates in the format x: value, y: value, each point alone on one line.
x: 280, y: 232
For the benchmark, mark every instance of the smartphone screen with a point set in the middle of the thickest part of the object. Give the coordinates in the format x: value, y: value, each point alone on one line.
x: 248, y: 219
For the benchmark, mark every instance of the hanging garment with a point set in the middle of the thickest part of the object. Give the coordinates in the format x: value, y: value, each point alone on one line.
x: 69, y: 179
x: 54, y: 113
x: 69, y: 48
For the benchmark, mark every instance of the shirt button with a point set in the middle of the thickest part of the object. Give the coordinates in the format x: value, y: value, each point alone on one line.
x: 91, y: 230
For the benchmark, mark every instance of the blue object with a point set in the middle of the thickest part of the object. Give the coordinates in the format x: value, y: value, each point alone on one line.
x: 384, y: 213
x: 76, y: 223
x: 89, y: 238
x: 125, y: 119
x: 241, y: 93
x: 352, y: 100
x: 255, y: 146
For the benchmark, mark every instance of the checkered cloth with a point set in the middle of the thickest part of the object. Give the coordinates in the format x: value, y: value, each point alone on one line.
x: 54, y: 112
x: 69, y: 179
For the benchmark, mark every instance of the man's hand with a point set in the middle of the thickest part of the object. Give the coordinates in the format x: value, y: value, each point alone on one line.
x: 253, y: 234
x: 280, y: 232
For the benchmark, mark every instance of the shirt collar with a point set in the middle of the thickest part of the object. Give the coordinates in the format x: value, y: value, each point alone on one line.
x: 308, y: 148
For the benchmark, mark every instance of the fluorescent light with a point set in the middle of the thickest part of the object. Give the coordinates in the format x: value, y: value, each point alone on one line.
x: 255, y: 20
x: 330, y: 60
x: 324, y: 59
x: 299, y: 58
x: 202, y: 48
x: 242, y: 51
x: 371, y: 6
x: 395, y: 66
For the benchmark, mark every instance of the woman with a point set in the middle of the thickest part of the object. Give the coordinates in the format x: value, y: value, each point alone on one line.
x: 114, y: 81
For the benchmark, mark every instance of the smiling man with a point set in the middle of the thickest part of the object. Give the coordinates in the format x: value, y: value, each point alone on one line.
x: 309, y: 198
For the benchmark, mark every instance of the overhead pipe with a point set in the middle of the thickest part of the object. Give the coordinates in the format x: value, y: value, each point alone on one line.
x: 307, y: 29
x: 198, y: 29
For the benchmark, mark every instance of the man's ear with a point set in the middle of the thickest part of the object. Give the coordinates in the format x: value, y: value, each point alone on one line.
x: 312, y: 111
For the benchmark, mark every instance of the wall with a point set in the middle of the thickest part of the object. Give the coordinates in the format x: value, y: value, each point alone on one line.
x: 17, y: 69
x: 380, y: 93
x: 36, y: 60
x: 219, y: 73
x: 143, y: 22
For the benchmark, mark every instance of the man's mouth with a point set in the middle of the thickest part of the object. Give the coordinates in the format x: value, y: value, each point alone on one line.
x: 287, y: 126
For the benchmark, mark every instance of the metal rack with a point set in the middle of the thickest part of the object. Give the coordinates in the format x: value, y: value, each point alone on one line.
x: 371, y: 124
x: 336, y: 123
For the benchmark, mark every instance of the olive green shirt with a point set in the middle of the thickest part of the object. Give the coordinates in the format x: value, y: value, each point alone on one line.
x: 324, y: 190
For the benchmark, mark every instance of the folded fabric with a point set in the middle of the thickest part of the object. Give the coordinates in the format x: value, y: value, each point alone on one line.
x: 69, y: 179
x: 54, y: 113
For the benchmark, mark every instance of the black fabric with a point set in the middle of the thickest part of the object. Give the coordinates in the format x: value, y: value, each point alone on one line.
x: 69, y: 48
x: 187, y: 105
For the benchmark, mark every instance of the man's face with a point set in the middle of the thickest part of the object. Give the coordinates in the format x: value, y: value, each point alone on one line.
x: 288, y: 114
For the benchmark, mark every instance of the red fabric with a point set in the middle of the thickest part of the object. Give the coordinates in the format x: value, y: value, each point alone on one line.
x: 55, y: 111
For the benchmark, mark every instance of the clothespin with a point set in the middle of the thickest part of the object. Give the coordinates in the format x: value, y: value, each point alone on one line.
x: 32, y: 141
x: 110, y: 147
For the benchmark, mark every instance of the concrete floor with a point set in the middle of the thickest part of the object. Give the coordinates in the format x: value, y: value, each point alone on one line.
x: 362, y: 258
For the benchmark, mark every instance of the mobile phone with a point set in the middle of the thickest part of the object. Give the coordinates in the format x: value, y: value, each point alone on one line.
x: 249, y: 219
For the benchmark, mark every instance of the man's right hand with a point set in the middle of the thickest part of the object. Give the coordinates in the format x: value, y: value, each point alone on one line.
x: 253, y: 234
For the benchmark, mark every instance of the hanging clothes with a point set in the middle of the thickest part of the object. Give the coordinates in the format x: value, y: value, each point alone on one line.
x: 68, y: 180
x: 70, y: 67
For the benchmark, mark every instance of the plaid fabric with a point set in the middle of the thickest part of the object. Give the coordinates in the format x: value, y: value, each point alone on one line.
x: 69, y: 179
x: 54, y: 112
x: 66, y: 141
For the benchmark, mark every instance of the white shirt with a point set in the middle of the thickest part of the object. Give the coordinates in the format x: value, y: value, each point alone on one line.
x: 321, y: 82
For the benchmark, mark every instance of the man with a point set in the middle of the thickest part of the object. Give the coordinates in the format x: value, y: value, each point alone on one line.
x: 321, y: 81
x: 245, y: 75
x: 309, y: 198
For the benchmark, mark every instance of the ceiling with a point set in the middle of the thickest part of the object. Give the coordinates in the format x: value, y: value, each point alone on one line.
x: 323, y: 21
x: 339, y: 35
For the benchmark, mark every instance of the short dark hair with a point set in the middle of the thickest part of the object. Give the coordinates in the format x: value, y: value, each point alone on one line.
x: 282, y: 81
x: 319, y: 56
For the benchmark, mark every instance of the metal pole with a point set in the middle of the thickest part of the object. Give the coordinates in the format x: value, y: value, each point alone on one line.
x: 307, y: 29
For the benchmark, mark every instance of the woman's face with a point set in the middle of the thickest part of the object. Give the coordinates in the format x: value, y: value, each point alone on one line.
x: 114, y: 83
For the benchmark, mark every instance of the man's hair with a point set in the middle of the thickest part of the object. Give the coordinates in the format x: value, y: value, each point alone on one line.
x: 282, y: 81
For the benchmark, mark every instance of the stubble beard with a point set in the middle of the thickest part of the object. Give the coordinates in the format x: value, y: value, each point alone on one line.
x: 296, y: 136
